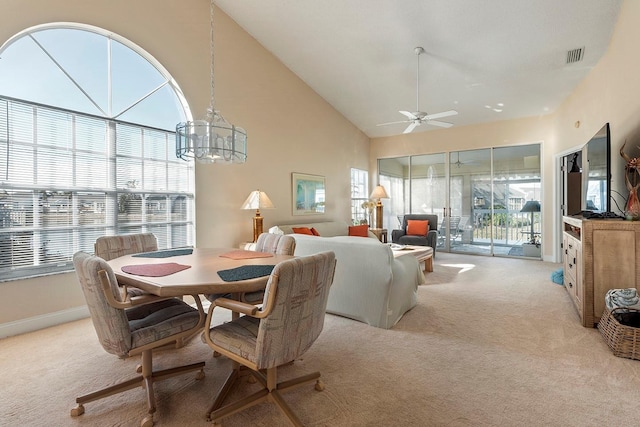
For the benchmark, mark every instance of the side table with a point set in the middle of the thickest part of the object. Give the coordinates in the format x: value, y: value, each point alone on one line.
x: 381, y: 233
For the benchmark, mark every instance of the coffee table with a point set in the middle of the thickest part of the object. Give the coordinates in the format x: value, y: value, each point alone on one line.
x: 422, y: 254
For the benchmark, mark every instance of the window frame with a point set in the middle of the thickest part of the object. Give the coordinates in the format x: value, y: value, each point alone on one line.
x: 359, y: 195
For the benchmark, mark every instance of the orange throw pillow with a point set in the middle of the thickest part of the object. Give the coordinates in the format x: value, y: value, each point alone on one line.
x: 359, y: 230
x: 302, y: 230
x: 314, y: 232
x: 417, y: 227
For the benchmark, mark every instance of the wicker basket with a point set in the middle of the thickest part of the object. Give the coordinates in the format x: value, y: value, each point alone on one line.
x: 623, y: 340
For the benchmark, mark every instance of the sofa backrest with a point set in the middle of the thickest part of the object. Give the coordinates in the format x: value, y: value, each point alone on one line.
x: 325, y: 229
x: 433, y: 220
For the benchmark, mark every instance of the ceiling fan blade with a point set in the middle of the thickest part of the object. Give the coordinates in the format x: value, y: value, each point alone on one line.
x: 440, y: 115
x: 408, y: 114
x: 439, y: 123
x: 411, y: 127
x: 393, y: 123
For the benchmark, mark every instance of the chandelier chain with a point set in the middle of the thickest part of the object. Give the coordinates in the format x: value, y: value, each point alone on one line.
x: 211, y: 109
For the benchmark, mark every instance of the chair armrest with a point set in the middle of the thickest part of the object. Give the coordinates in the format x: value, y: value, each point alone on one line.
x: 237, y: 306
x: 396, y: 234
x: 128, y: 302
x: 432, y: 238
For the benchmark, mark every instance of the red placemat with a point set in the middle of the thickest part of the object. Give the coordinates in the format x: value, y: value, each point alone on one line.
x: 154, y: 270
x: 242, y: 254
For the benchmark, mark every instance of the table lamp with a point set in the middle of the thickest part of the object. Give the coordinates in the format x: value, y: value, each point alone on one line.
x: 257, y: 200
x: 379, y: 193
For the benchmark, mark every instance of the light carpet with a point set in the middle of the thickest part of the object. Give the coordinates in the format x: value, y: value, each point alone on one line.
x: 492, y: 342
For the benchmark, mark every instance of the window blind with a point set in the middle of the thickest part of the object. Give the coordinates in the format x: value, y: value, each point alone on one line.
x: 67, y: 178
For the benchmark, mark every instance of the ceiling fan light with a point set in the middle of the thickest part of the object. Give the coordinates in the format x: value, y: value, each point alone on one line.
x: 418, y: 117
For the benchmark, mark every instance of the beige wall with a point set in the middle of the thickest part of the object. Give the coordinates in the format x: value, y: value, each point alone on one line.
x: 610, y: 93
x: 290, y: 128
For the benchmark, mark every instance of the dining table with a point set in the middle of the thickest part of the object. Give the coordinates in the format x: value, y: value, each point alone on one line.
x: 189, y: 271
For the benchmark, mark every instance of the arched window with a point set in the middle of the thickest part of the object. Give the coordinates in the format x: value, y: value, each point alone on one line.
x: 87, y: 148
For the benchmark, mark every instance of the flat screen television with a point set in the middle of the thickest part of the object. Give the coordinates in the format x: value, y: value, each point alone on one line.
x: 596, y: 172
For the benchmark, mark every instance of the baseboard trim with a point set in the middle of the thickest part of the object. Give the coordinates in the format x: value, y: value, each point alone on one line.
x: 35, y: 323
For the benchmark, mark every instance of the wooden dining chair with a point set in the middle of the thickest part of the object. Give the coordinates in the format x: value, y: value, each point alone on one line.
x: 130, y: 326
x: 279, y: 331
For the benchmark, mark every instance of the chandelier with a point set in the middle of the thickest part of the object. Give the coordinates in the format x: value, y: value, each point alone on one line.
x: 213, y: 140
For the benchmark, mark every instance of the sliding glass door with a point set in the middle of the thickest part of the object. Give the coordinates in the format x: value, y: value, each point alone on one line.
x: 517, y: 194
x: 415, y: 184
x: 486, y: 200
x: 470, y: 187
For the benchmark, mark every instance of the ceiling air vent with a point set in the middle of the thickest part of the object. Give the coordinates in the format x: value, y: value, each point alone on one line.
x: 575, y: 55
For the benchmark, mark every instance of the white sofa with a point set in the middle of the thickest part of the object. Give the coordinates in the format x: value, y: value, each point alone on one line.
x: 370, y: 285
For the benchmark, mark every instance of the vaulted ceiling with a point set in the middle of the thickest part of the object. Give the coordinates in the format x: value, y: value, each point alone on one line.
x: 489, y: 60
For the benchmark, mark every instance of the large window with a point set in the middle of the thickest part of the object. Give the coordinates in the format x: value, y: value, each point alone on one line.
x: 87, y: 149
x: 359, y: 195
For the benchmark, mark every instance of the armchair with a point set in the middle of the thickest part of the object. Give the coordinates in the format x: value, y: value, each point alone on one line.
x: 283, y: 329
x: 129, y: 326
x: 401, y: 237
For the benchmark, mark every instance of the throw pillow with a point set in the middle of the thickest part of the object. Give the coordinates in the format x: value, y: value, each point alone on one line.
x: 417, y: 227
x: 359, y: 230
x: 314, y: 232
x: 302, y: 230
x: 276, y: 230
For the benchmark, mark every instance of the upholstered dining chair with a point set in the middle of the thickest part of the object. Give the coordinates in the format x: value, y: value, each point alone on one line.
x: 277, y: 244
x: 130, y: 326
x: 110, y: 247
x: 272, y: 335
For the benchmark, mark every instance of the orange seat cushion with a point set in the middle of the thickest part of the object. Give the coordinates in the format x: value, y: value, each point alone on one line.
x: 417, y: 227
x: 359, y: 230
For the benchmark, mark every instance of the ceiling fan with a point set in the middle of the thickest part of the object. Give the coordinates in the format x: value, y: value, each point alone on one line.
x: 459, y: 162
x: 418, y: 117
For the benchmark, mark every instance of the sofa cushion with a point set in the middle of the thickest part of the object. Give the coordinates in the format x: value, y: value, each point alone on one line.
x: 416, y: 227
x: 324, y: 229
x: 314, y: 231
x: 359, y: 230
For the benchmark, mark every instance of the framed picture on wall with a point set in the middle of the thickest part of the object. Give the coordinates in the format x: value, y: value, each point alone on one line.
x: 308, y: 194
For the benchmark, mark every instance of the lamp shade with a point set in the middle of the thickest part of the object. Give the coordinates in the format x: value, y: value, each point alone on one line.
x: 531, y: 206
x: 379, y: 193
x: 257, y: 200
